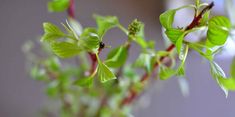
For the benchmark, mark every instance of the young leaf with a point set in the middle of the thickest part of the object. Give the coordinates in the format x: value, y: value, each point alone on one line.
x: 181, y: 70
x: 208, y: 55
x: 84, y: 82
x: 89, y: 39
x: 53, y: 64
x: 77, y: 27
x: 65, y: 49
x: 117, y: 57
x: 174, y: 34
x: 58, y: 5
x: 144, y: 60
x: 167, y: 18
x: 227, y: 83
x: 37, y: 73
x: 52, y: 32
x: 162, y: 53
x: 205, y: 18
x: 232, y: 68
x: 179, y: 43
x: 52, y: 89
x: 218, y: 73
x: 104, y: 73
x: 140, y: 39
x: 218, y: 30
x: 166, y: 72
x: 105, y: 23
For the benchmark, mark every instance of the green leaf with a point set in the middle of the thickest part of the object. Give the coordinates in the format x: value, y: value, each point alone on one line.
x: 166, y: 72
x: 105, y: 23
x: 181, y: 70
x: 232, y: 68
x: 205, y: 18
x: 104, y: 73
x: 208, y: 54
x: 51, y: 28
x: 38, y: 73
x: 162, y: 53
x: 89, y: 39
x: 151, y: 44
x: 218, y: 73
x: 227, y: 83
x: 141, y: 41
x: 218, y: 30
x: 143, y: 61
x: 52, y: 32
x: 53, y: 63
x: 167, y: 18
x: 77, y: 27
x: 174, y: 34
x: 140, y: 38
x: 84, y: 82
x: 116, y: 57
x: 65, y: 49
x: 52, y: 89
x: 58, y: 5
x: 179, y: 43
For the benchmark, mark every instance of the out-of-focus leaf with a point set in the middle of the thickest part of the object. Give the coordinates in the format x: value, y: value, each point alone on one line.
x: 52, y: 88
x: 144, y: 60
x: 53, y: 63
x: 58, y: 5
x: 166, y: 72
x: 76, y: 26
x: 105, y: 23
x: 184, y: 86
x: 84, y: 82
x: 140, y: 38
x: 218, y: 73
x: 117, y: 57
x: 38, y: 73
x: 52, y: 32
x: 232, y: 68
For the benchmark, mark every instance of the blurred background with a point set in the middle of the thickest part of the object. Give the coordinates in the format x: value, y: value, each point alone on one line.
x: 21, y: 20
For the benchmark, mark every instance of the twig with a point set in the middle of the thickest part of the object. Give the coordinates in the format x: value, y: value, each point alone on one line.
x: 196, y: 21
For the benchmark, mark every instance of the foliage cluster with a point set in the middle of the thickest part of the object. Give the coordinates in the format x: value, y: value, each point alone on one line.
x: 107, y: 88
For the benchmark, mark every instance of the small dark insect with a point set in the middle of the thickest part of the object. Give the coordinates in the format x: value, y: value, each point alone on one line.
x: 102, y: 45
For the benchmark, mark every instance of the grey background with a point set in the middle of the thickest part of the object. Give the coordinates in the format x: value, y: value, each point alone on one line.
x: 20, y: 96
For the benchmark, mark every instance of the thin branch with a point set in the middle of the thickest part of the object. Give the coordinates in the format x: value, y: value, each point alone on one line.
x: 196, y: 21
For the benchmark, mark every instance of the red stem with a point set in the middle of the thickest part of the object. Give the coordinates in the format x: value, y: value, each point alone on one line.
x: 71, y: 9
x: 93, y: 62
x: 71, y: 13
x: 196, y: 21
